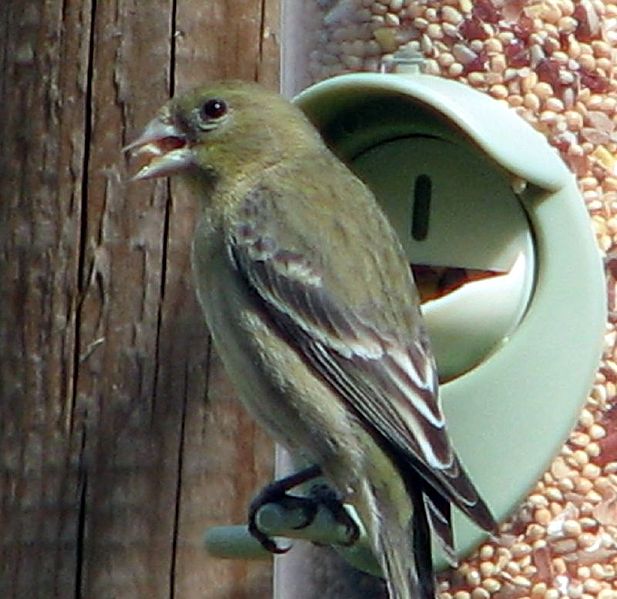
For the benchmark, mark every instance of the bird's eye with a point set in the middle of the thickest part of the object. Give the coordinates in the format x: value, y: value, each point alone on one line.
x: 212, y: 109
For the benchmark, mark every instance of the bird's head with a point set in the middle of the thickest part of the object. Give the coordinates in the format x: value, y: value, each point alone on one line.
x: 220, y: 130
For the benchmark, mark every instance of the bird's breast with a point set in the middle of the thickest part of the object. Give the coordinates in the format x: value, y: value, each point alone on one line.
x: 273, y: 380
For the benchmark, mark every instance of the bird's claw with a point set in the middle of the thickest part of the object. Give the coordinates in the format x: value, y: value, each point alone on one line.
x: 322, y: 494
x: 269, y: 494
x: 319, y: 495
x: 274, y: 494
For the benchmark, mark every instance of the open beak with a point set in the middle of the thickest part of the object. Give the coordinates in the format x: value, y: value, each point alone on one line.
x: 165, y: 147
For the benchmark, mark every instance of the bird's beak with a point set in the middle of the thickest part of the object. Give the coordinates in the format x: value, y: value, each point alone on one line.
x: 165, y: 146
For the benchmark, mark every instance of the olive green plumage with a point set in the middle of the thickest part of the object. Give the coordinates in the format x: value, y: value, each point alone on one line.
x: 312, y: 306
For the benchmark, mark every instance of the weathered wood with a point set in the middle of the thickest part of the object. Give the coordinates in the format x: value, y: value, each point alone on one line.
x: 119, y: 441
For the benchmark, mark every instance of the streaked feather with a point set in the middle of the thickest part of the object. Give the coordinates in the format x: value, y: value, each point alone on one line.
x: 385, y: 377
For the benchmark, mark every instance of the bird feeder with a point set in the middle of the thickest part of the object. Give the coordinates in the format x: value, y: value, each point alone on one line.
x: 517, y: 328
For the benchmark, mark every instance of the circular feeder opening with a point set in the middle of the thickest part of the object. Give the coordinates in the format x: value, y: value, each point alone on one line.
x: 465, y: 231
x: 467, y: 237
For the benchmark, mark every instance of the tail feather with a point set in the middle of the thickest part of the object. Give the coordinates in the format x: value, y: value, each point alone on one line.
x: 403, y: 548
x: 451, y: 485
x: 421, y: 532
x: 439, y: 514
x: 404, y: 504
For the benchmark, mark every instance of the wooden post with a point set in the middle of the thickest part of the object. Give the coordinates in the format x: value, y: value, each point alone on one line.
x: 119, y: 439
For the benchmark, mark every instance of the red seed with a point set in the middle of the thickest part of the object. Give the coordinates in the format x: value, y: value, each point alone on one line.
x: 564, y: 40
x: 517, y: 54
x: 588, y: 27
x: 609, y: 374
x: 561, y: 142
x: 541, y: 558
x: 611, y: 267
x: 472, y: 29
x: 523, y: 28
x: 478, y: 64
x: 486, y: 11
x: 548, y: 71
x: 594, y: 81
x: 608, y: 449
x: 609, y: 418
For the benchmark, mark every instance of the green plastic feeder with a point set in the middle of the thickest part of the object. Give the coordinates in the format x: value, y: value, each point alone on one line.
x: 469, y: 185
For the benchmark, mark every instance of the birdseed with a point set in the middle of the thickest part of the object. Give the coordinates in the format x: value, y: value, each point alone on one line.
x: 555, y: 63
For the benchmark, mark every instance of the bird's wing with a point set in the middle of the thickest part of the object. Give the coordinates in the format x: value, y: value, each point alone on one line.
x: 387, y: 379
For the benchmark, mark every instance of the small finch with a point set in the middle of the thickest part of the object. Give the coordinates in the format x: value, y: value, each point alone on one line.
x: 312, y: 306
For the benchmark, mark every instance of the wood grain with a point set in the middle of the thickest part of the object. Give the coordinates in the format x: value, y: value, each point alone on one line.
x: 120, y: 441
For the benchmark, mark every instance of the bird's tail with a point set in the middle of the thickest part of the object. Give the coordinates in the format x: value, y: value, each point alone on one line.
x: 402, y: 541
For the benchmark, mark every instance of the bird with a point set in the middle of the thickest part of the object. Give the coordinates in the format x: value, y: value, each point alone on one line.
x: 312, y: 307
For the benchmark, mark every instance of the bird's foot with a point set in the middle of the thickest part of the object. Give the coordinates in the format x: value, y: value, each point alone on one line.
x: 276, y: 492
x: 323, y: 494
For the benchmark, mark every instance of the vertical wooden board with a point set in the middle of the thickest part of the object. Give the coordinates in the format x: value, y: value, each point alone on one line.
x: 42, y: 94
x: 268, y: 66
x: 226, y: 458
x: 125, y: 225
x: 118, y: 443
x: 131, y: 449
x: 226, y: 40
